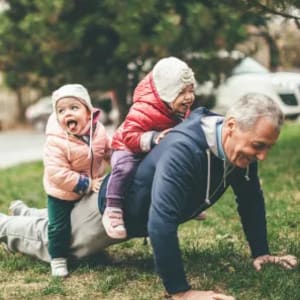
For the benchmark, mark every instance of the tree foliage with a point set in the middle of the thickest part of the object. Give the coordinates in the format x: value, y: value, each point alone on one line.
x: 47, y: 43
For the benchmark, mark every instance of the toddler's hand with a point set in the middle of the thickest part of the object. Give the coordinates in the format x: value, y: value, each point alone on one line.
x: 96, y: 184
x: 161, y: 135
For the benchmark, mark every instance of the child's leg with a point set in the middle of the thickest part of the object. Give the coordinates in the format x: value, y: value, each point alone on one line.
x: 124, y: 164
x: 59, y: 234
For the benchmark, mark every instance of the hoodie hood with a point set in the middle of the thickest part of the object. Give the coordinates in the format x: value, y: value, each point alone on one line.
x: 209, y: 126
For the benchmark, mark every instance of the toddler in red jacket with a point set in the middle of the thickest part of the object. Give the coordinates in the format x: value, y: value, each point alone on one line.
x: 160, y: 101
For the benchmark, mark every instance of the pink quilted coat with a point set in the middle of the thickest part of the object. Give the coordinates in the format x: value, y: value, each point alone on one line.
x: 66, y: 157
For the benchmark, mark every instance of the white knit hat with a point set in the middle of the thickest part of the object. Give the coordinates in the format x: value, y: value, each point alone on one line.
x: 171, y: 75
x: 72, y: 90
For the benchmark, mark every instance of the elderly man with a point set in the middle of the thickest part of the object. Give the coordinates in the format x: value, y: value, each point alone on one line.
x: 182, y: 176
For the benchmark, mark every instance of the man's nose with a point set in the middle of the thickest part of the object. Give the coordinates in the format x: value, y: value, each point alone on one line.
x: 262, y: 155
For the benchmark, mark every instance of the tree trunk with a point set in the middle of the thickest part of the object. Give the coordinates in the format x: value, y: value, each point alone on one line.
x: 273, y: 50
x: 121, y: 97
x: 21, y: 105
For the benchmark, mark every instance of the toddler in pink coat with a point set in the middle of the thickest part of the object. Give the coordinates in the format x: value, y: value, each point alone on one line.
x: 75, y: 154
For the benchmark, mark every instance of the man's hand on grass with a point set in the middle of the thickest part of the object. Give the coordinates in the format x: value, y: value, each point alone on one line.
x: 287, y: 261
x: 200, y: 295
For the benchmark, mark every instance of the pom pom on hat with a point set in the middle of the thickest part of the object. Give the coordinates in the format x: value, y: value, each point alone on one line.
x: 72, y: 90
x: 171, y: 75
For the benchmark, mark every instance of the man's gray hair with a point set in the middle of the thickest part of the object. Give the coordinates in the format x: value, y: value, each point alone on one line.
x: 252, y: 107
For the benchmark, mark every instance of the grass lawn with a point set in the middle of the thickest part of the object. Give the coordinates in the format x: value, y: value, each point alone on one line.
x: 215, y: 252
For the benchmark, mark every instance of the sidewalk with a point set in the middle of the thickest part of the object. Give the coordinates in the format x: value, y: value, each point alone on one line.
x: 20, y: 146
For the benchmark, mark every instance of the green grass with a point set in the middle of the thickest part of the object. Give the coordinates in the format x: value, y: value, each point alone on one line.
x: 215, y: 253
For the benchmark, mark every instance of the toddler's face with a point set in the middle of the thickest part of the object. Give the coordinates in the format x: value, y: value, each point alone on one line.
x: 72, y: 115
x: 184, y: 100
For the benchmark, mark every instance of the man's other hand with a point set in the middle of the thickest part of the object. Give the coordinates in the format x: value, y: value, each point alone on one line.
x: 287, y: 261
x: 200, y: 295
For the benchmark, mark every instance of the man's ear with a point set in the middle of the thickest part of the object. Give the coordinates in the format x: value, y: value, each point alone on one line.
x: 231, y: 125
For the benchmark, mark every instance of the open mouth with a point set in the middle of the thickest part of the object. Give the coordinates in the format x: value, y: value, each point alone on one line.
x: 71, y: 124
x: 186, y: 106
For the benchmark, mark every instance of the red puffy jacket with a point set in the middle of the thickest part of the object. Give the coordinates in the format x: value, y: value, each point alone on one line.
x: 148, y: 113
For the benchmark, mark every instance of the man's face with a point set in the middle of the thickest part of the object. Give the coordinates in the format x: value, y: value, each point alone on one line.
x: 243, y: 147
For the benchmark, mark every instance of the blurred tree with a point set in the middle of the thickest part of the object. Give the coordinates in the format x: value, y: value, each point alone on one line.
x: 102, y: 44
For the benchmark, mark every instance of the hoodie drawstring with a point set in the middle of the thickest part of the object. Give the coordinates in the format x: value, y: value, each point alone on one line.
x: 68, y: 147
x: 224, y: 173
x: 207, y: 201
x: 91, y: 137
x: 247, y: 174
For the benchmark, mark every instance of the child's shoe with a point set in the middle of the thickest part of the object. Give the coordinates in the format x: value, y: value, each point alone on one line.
x: 113, y: 223
x: 59, y: 267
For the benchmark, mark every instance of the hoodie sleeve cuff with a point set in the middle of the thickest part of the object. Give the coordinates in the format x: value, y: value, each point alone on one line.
x: 83, y: 185
x: 146, y: 140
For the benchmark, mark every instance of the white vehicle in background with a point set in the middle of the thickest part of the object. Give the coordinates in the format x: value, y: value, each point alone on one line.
x: 38, y: 113
x: 251, y: 77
